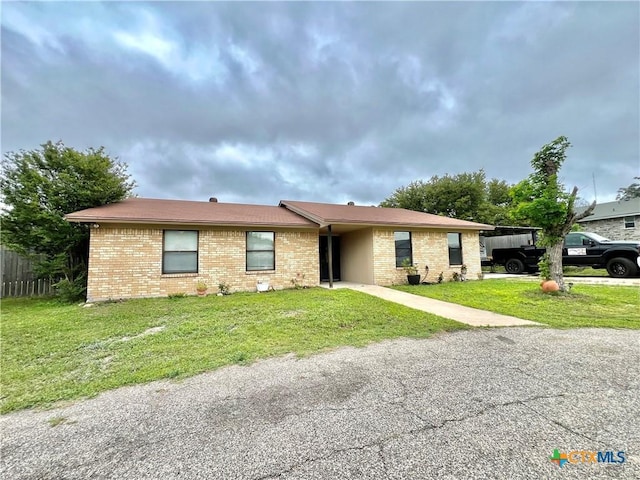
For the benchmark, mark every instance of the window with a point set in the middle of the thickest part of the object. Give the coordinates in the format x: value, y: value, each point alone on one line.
x: 629, y: 222
x: 180, y: 251
x: 575, y: 240
x: 455, y: 248
x: 403, y: 248
x: 261, y: 253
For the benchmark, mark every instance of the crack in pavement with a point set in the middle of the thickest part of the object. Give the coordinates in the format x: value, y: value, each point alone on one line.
x: 383, y: 460
x: 523, y: 372
x: 308, y: 460
x: 382, y: 441
x: 481, y: 412
x: 561, y: 425
x: 403, y: 400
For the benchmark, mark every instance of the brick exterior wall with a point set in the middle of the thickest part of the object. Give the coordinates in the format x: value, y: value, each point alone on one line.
x: 125, y: 261
x: 429, y: 247
x: 613, y: 228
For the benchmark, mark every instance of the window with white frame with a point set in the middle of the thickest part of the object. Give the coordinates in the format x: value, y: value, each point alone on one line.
x: 629, y: 222
x: 180, y: 251
x: 261, y: 252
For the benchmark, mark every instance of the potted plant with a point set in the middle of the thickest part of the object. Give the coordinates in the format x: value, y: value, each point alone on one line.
x: 201, y: 288
x: 412, y: 272
x: 547, y: 284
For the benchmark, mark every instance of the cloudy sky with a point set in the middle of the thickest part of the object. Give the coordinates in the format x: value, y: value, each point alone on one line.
x: 257, y: 102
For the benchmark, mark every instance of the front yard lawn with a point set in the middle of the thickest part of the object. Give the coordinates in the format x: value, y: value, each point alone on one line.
x: 585, y: 306
x: 53, y: 352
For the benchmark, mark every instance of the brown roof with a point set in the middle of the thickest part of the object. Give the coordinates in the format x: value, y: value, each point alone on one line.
x: 288, y: 214
x: 148, y: 210
x: 326, y: 213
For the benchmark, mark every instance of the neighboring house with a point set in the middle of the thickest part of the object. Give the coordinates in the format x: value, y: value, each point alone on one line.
x: 146, y: 247
x: 618, y: 220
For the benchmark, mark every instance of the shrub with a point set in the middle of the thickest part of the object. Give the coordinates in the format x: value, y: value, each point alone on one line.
x: 545, y: 267
x: 70, y: 291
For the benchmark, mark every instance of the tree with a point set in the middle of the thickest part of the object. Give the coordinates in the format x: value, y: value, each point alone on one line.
x: 632, y: 191
x: 542, y: 201
x: 466, y: 196
x: 39, y: 187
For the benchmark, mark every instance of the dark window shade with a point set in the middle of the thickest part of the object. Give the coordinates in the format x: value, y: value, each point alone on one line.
x: 455, y: 248
x: 403, y: 248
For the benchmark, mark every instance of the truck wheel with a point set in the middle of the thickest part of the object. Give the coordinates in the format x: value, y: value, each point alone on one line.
x: 620, y: 267
x: 514, y: 265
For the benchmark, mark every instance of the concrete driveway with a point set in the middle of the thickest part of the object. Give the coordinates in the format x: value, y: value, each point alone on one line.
x: 485, y: 403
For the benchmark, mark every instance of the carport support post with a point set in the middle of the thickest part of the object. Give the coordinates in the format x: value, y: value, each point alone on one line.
x: 330, y: 255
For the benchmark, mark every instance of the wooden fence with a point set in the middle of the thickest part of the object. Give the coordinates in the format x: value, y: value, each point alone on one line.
x: 19, y: 278
x: 28, y: 288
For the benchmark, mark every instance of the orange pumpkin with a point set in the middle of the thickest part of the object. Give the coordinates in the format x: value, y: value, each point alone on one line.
x: 550, y: 286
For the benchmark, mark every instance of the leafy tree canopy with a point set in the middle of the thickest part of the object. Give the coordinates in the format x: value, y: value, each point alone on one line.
x: 39, y: 187
x: 466, y: 196
x: 542, y: 201
x: 632, y: 191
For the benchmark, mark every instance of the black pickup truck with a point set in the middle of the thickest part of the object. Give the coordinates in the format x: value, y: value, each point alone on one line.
x: 584, y: 249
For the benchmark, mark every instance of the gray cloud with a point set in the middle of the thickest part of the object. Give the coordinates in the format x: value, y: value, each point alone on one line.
x: 253, y: 102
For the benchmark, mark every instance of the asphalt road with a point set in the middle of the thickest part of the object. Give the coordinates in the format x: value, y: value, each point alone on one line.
x: 486, y: 403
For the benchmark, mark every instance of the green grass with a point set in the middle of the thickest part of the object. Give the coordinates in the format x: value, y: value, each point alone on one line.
x: 585, y: 306
x: 55, y: 421
x: 53, y: 352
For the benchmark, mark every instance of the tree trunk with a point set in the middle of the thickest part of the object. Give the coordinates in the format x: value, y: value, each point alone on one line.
x: 555, y: 264
x: 561, y: 231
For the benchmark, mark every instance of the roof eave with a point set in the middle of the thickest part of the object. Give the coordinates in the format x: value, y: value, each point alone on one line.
x: 323, y: 222
x: 304, y: 213
x: 411, y: 225
x: 156, y: 221
x: 607, y: 217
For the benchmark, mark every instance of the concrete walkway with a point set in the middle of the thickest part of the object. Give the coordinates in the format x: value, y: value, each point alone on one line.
x: 459, y: 313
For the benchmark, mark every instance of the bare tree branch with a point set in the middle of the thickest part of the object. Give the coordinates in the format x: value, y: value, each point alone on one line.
x: 586, y: 213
